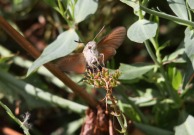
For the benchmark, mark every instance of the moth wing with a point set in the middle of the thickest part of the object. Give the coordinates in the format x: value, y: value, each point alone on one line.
x: 107, y: 52
x: 75, y: 63
x: 114, y: 39
x: 111, y: 42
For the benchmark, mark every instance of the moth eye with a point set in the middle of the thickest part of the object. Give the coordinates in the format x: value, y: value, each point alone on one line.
x: 89, y: 47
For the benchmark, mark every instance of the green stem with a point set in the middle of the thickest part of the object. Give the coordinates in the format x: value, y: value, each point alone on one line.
x: 151, y: 53
x: 140, y: 15
x: 156, y: 46
x: 62, y: 12
x: 188, y: 10
x: 168, y: 86
x: 9, y: 112
x: 166, y: 16
x: 118, y: 115
x: 158, y: 60
x: 72, y: 6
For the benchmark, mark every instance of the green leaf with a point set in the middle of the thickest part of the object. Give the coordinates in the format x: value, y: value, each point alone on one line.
x: 73, y: 126
x: 33, y: 93
x: 150, y: 130
x: 173, y: 56
x: 22, y: 5
x: 83, y: 8
x: 130, y: 72
x: 52, y: 3
x: 146, y: 99
x: 132, y: 3
x: 62, y: 46
x: 191, y: 4
x: 179, y: 8
x: 142, y: 30
x: 175, y: 77
x: 186, y: 128
x: 188, y: 43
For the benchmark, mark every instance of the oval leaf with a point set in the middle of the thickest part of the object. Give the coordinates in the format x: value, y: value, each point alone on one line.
x: 130, y: 72
x: 63, y: 45
x: 179, y: 8
x: 142, y: 30
x: 134, y: 4
x: 83, y: 8
x: 186, y: 128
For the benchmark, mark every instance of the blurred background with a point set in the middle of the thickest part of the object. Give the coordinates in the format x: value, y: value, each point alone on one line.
x: 41, y: 24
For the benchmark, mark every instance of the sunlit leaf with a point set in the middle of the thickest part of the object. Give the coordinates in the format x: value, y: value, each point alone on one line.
x: 36, y: 95
x: 142, y: 30
x: 83, y: 8
x: 130, y: 72
x: 175, y: 77
x: 186, y: 128
x: 73, y: 126
x: 179, y: 8
x: 63, y: 45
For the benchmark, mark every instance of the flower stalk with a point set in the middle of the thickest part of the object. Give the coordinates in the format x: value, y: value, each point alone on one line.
x: 103, y: 79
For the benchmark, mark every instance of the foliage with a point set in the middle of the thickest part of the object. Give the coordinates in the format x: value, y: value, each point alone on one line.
x: 154, y: 94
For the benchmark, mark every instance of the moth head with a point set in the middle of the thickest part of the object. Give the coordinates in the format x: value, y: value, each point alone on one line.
x: 91, y: 45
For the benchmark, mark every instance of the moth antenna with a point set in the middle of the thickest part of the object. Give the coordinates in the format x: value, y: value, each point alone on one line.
x: 78, y: 41
x: 99, y: 32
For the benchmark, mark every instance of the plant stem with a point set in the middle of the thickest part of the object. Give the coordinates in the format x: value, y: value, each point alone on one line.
x: 160, y: 65
x: 166, y: 16
x: 35, y: 54
x: 158, y: 60
x: 9, y: 112
x: 118, y: 114
x: 151, y: 53
x: 156, y: 46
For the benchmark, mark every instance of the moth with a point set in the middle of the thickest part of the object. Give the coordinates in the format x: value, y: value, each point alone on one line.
x: 94, y: 54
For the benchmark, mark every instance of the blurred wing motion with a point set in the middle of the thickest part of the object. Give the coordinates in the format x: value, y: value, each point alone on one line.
x: 111, y: 42
x: 75, y: 63
x: 108, y: 45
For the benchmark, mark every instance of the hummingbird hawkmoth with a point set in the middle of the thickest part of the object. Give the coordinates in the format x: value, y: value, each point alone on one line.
x: 94, y: 54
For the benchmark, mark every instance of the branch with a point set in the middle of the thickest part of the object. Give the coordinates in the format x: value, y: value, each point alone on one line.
x: 35, y: 54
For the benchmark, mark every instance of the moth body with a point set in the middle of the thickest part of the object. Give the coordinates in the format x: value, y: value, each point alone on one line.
x: 91, y: 54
